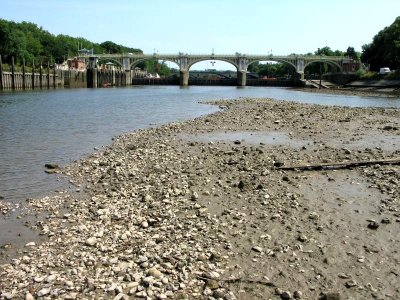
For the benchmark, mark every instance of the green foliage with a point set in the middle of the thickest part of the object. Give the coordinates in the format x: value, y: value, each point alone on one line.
x: 384, y: 50
x: 27, y: 41
x: 277, y: 70
x: 156, y: 67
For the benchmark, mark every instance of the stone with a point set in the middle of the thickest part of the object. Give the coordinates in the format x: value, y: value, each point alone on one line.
x: 43, y: 292
x: 212, y: 284
x: 286, y: 295
x: 330, y: 296
x: 31, y: 244
x: 28, y: 296
x: 297, y: 295
x: 52, y: 166
x: 154, y: 272
x: 91, y: 241
x: 373, y: 225
x: 257, y: 249
x: 351, y: 283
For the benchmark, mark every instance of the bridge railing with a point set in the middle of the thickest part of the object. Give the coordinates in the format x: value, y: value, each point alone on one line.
x: 203, y: 55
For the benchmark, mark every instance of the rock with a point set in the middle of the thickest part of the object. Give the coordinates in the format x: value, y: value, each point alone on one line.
x: 330, y: 296
x: 194, y: 196
x: 257, y: 249
x: 237, y: 142
x: 28, y: 296
x: 212, y: 284
x: 43, y: 292
x: 373, y: 225
x: 219, y: 293
x: 242, y: 185
x: 52, y: 166
x: 31, y: 244
x: 302, y: 238
x: 278, y: 164
x: 154, y: 272
x: 286, y: 295
x: 91, y: 241
x: 7, y: 295
x: 297, y: 295
x: 351, y: 283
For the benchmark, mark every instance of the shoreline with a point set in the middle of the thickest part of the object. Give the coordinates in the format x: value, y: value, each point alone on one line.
x: 356, y: 91
x: 190, y: 208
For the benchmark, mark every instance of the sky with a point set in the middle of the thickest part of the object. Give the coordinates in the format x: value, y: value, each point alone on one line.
x: 202, y: 26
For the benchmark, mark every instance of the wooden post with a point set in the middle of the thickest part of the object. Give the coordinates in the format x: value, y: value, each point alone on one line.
x: 48, y: 75
x: 23, y: 74
x: 54, y: 76
x: 12, y: 73
x: 33, y: 74
x: 41, y: 75
x: 1, y: 75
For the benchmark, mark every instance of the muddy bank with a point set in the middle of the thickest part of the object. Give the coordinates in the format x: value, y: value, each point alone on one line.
x: 358, y: 91
x: 200, y: 210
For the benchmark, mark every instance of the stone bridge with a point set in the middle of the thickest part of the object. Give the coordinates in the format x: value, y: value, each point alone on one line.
x: 128, y: 61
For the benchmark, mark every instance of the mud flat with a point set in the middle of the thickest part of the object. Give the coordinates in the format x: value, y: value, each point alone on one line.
x: 201, y: 210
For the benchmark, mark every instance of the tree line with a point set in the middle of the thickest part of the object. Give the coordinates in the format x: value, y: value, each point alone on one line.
x: 26, y: 41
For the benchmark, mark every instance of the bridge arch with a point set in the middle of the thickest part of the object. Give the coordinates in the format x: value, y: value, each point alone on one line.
x: 195, y: 61
x: 275, y: 60
x: 328, y: 62
x: 106, y: 60
x: 138, y: 61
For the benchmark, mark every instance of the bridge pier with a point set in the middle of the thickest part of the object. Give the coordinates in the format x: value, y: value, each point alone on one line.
x: 241, y: 78
x: 184, y: 77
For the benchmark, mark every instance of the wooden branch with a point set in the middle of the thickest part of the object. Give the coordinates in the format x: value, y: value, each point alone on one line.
x: 234, y: 280
x: 341, y: 165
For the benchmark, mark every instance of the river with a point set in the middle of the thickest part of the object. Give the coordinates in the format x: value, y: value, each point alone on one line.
x: 59, y: 126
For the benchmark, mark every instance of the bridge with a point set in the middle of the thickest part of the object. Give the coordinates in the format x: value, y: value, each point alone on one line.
x: 184, y: 61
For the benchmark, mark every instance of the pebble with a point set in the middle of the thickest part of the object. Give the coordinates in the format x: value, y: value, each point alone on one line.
x: 286, y: 295
x: 351, y: 283
x: 91, y: 241
x: 43, y: 292
x: 28, y: 296
x: 257, y: 249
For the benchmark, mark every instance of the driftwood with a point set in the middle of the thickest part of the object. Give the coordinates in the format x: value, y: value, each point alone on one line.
x: 341, y: 165
x: 240, y: 280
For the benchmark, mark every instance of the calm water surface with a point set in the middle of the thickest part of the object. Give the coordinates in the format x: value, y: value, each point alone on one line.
x: 59, y: 126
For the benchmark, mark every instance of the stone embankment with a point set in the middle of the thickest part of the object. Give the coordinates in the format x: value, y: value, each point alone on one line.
x: 201, y: 210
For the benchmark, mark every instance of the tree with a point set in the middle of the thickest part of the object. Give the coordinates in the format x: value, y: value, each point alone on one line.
x: 350, y: 52
x: 325, y: 51
x: 384, y: 50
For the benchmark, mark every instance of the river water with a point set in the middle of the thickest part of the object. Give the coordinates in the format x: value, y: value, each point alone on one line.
x: 58, y: 126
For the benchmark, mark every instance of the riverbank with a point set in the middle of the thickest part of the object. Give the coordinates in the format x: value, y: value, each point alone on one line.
x: 358, y: 91
x: 199, y: 209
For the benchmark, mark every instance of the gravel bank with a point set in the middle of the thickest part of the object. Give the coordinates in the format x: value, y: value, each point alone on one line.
x: 200, y: 210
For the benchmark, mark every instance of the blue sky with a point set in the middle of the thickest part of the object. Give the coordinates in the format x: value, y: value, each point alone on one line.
x: 199, y: 26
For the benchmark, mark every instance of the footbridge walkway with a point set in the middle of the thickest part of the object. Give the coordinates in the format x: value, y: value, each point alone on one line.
x: 184, y: 61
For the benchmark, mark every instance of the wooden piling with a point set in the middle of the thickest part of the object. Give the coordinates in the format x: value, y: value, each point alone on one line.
x: 54, y: 76
x: 33, y: 74
x: 41, y: 75
x: 1, y: 75
x: 12, y: 73
x: 23, y: 74
x: 48, y: 75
